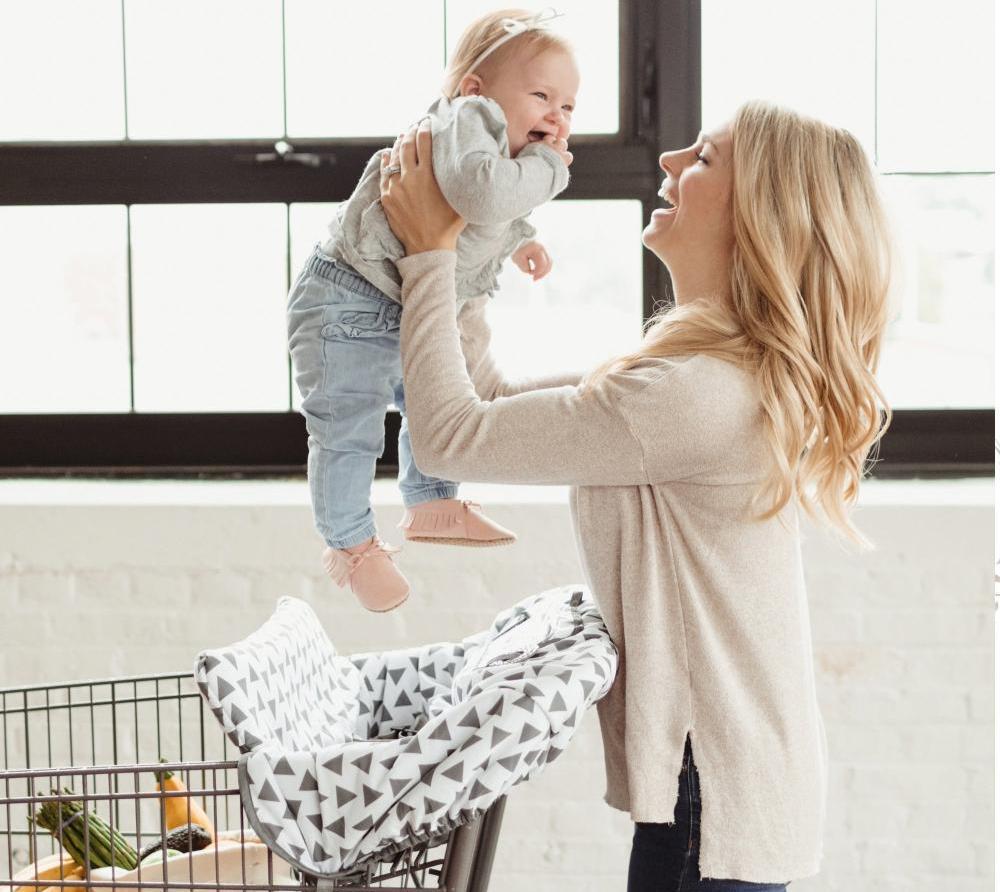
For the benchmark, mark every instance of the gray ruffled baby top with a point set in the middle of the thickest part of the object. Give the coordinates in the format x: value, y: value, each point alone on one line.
x: 492, y: 191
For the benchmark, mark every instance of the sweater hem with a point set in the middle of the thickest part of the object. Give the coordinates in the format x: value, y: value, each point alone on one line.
x: 722, y: 871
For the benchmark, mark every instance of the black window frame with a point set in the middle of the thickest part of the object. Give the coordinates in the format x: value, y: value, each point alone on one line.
x: 660, y: 107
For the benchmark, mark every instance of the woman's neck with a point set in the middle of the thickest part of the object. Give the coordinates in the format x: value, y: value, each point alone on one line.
x: 706, y: 280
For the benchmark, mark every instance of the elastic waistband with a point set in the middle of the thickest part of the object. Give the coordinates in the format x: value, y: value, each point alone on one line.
x: 321, y: 265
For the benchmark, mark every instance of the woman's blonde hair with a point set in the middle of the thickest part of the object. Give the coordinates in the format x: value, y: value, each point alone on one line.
x: 483, y: 33
x: 809, y: 281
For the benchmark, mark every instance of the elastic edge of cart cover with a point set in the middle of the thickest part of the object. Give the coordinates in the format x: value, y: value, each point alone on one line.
x: 351, y: 759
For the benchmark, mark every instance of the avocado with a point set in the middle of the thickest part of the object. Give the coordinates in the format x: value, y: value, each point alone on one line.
x: 189, y: 838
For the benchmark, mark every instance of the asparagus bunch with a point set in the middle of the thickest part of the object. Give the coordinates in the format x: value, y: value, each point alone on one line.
x: 65, y: 819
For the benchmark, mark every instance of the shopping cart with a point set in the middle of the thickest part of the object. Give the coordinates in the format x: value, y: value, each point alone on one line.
x: 115, y: 738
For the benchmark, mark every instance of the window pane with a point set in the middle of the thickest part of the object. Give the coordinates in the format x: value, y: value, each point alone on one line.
x: 939, y: 352
x: 63, y: 309
x: 308, y: 225
x: 209, y: 285
x: 61, y: 70
x: 361, y: 69
x: 592, y: 28
x: 818, y: 58
x: 203, y: 70
x: 935, y: 87
x: 583, y: 312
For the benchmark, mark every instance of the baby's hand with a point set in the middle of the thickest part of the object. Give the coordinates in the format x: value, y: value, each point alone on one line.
x: 560, y: 144
x: 533, y: 259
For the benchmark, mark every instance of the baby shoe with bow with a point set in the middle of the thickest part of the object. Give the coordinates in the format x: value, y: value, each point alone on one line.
x: 453, y: 522
x: 369, y: 570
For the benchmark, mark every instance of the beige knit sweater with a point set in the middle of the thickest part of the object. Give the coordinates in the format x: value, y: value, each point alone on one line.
x: 706, y: 605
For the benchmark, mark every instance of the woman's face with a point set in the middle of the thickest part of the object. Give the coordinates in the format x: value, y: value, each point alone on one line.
x: 697, y: 223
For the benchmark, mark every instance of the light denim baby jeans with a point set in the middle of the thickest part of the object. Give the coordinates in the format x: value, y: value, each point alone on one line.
x: 343, y: 334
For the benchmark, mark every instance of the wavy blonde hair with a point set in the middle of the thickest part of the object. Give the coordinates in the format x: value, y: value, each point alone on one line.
x: 483, y: 33
x: 809, y: 281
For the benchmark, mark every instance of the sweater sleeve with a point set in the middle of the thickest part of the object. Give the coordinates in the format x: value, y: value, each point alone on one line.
x: 559, y: 435
x: 486, y: 376
x: 479, y: 181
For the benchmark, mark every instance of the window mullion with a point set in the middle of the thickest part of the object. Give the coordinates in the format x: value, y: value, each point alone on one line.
x: 129, y: 303
x: 124, y: 72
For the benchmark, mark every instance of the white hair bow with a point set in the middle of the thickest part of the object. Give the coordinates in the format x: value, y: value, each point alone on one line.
x: 540, y: 21
x: 537, y: 22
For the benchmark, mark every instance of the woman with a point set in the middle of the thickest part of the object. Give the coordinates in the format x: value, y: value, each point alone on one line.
x: 689, y: 459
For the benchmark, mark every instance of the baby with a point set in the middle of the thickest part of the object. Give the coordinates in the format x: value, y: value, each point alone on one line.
x: 499, y: 136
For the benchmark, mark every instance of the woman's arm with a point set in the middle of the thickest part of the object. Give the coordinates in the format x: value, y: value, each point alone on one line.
x: 553, y: 436
x: 488, y: 380
x: 661, y: 421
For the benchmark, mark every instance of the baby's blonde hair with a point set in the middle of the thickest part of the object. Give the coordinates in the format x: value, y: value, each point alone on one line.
x: 483, y: 33
x: 809, y: 281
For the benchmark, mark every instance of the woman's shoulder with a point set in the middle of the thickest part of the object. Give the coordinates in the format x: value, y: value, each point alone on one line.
x: 699, y: 373
x: 701, y: 407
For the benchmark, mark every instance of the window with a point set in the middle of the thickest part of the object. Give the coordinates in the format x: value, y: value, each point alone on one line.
x: 918, y: 92
x: 173, y: 163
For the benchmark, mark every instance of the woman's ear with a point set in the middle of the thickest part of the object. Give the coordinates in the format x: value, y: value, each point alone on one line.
x: 471, y: 85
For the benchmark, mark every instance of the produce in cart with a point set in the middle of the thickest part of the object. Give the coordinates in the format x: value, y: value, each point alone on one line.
x: 178, y: 811
x: 85, y: 835
x: 234, y: 859
x: 51, y: 868
x: 190, y: 838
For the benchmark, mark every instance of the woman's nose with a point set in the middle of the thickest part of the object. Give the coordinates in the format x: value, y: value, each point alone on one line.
x: 665, y: 161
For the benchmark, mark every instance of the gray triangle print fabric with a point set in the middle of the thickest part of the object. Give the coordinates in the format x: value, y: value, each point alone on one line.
x: 347, y: 759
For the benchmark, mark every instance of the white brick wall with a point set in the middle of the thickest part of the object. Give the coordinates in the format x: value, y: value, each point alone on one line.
x: 99, y: 580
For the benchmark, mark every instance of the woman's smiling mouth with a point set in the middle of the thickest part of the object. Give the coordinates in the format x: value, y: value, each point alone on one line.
x: 671, y: 207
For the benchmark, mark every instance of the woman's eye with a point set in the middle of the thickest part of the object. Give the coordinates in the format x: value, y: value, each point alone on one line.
x: 702, y: 158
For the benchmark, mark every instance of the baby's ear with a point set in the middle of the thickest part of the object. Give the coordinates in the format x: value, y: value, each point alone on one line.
x: 471, y: 85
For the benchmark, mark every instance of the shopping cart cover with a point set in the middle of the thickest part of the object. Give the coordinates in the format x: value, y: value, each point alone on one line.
x: 351, y: 759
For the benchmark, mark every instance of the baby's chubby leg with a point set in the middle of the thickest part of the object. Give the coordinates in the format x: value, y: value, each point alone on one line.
x: 344, y: 342
x: 344, y: 359
x: 433, y: 514
x: 415, y: 486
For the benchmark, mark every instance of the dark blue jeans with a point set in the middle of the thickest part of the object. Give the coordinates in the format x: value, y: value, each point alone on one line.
x: 665, y: 856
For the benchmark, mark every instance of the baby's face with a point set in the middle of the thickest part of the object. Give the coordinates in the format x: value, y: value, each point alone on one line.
x: 536, y: 95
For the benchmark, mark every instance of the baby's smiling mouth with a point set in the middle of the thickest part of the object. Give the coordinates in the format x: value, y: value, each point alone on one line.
x: 536, y: 135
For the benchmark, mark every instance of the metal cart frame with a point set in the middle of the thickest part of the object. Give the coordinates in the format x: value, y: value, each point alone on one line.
x: 101, y: 743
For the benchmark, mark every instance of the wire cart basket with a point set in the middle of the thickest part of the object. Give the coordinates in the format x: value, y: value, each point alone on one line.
x: 116, y: 739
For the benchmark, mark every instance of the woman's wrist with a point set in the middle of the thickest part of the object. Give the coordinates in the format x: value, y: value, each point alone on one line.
x: 446, y: 240
x: 441, y: 244
x: 436, y: 267
x: 433, y: 256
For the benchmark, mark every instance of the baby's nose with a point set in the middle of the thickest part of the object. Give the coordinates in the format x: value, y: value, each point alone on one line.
x: 561, y: 121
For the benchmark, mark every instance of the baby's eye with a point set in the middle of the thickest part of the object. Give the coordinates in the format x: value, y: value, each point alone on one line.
x: 568, y: 109
x: 540, y: 95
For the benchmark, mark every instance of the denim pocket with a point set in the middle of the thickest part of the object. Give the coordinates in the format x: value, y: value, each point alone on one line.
x: 351, y: 322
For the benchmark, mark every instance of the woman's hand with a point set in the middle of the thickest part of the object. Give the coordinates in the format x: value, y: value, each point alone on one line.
x: 419, y: 215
